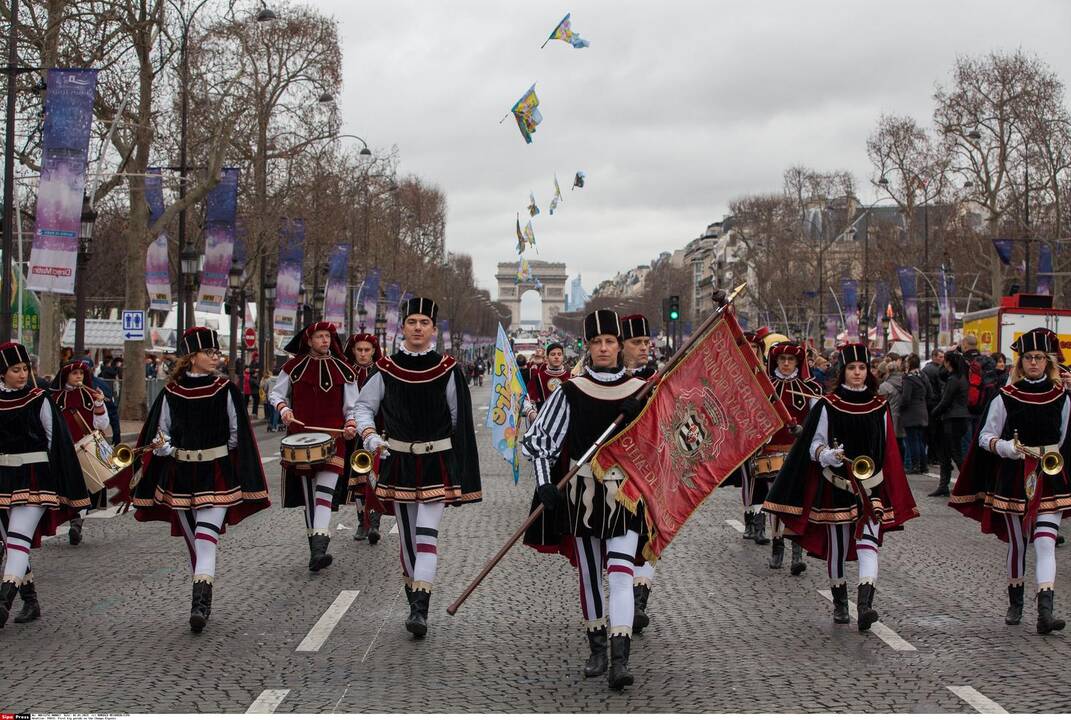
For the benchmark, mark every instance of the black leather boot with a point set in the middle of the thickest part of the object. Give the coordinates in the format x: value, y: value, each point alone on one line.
x: 749, y: 525
x: 1047, y: 622
x: 864, y: 606
x: 840, y: 604
x: 777, y: 554
x: 361, y: 533
x: 418, y: 613
x: 760, y: 529
x: 74, y: 534
x: 620, y: 676
x: 1015, y: 605
x: 596, y: 664
x: 318, y: 555
x: 797, y: 566
x: 31, y: 609
x: 640, y: 619
x: 373, y: 526
x: 199, y: 607
x: 8, y: 591
x: 408, y: 594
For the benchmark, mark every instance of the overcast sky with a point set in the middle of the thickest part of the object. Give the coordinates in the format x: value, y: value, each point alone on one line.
x: 674, y: 110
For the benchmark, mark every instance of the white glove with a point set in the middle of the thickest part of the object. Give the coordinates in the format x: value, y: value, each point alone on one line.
x: 1006, y: 449
x: 830, y: 458
x: 373, y: 444
x: 164, y: 450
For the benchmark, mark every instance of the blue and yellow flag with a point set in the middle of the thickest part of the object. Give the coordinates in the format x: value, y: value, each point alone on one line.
x: 557, y: 196
x: 526, y: 111
x: 504, y: 413
x: 564, y: 31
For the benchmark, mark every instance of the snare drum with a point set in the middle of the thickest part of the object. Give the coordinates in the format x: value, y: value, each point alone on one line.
x: 308, y: 448
x: 94, y: 456
x: 769, y: 464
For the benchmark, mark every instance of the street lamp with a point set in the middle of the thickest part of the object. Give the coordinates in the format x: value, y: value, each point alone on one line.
x: 265, y: 14
x: 85, y: 249
x: 234, y: 283
x: 885, y: 320
x: 361, y: 315
x: 318, y: 302
x: 302, y: 296
x: 269, y: 330
x: 189, y: 266
x: 325, y: 98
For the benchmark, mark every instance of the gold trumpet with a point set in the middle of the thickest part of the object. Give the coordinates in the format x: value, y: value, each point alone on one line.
x: 1051, y: 462
x: 123, y: 455
x: 361, y: 462
x: 862, y: 467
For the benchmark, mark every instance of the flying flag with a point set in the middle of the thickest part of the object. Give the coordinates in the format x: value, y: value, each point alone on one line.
x: 578, y: 182
x: 557, y: 196
x: 564, y: 31
x: 529, y: 234
x: 533, y: 209
x: 504, y: 413
x: 526, y: 112
x: 520, y: 236
x: 1004, y: 249
x: 524, y: 273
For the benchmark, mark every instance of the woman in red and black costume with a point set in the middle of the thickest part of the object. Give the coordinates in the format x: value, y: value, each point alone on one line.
x: 204, y: 471
x: 41, y: 484
x: 1004, y: 489
x: 429, y: 459
x: 82, y: 409
x: 362, y: 350
x: 814, y: 494
x: 316, y: 387
x: 786, y: 364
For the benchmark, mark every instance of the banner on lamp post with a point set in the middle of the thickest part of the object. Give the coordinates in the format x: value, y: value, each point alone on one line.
x: 221, y: 209
x: 946, y: 288
x: 335, y: 294
x: 393, y: 298
x: 909, y: 292
x: 369, y: 299
x: 64, y: 145
x: 850, y: 293
x: 157, y: 267
x: 288, y: 280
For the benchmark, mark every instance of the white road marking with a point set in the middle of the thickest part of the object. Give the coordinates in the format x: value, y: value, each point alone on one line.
x: 880, y: 629
x: 977, y: 700
x: 935, y: 476
x: 267, y: 701
x: 327, y: 622
x: 340, y: 526
x: 484, y: 407
x: 735, y: 524
x: 268, y: 458
x: 394, y: 530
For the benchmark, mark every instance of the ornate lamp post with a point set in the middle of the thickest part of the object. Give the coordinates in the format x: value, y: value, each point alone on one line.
x: 85, y: 249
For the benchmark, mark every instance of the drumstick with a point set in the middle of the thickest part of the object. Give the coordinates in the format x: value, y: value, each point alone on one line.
x: 322, y: 429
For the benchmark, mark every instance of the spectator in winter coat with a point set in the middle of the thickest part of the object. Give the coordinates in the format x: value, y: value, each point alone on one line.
x: 933, y: 371
x: 891, y: 389
x: 1000, y: 367
x: 915, y: 407
x: 954, y: 418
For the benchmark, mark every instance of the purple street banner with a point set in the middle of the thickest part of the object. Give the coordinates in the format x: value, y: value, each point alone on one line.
x: 446, y: 346
x: 369, y: 299
x: 849, y: 290
x: 909, y: 292
x: 394, y: 297
x: 288, y: 281
x: 881, y: 301
x: 946, y: 287
x: 1045, y: 269
x: 829, y: 342
x: 157, y: 269
x: 335, y: 294
x: 1003, y: 246
x: 221, y: 211
x: 64, y: 145
x: 466, y: 341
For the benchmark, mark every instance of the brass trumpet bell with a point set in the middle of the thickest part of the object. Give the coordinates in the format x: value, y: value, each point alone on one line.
x: 361, y: 462
x: 1052, y: 462
x: 862, y: 467
x: 122, y: 456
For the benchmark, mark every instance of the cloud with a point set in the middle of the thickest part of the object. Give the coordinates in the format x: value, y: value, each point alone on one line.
x: 673, y: 111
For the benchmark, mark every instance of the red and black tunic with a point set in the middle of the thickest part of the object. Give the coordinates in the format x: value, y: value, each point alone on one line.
x: 544, y: 380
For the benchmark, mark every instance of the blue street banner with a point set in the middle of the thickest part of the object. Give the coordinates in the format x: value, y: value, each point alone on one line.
x: 849, y: 290
x: 157, y: 268
x: 1045, y: 269
x: 881, y: 300
x: 1003, y: 246
x: 447, y: 345
x: 221, y: 212
x: 909, y: 292
x: 504, y: 411
x: 369, y: 300
x: 394, y: 297
x: 64, y: 146
x: 288, y: 281
x: 335, y: 293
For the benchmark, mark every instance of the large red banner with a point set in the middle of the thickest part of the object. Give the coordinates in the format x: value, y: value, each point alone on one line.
x: 705, y: 418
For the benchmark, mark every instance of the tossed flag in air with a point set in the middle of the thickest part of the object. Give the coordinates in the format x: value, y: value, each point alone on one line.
x: 526, y: 111
x: 504, y: 411
x: 578, y: 182
x: 524, y: 273
x: 520, y: 236
x: 557, y: 196
x: 529, y: 234
x: 564, y: 31
x: 533, y: 209
x: 691, y: 434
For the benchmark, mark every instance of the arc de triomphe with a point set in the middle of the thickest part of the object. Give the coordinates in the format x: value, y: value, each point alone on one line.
x: 552, y: 277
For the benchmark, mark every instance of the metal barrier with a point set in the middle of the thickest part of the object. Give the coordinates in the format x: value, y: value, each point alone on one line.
x: 153, y: 387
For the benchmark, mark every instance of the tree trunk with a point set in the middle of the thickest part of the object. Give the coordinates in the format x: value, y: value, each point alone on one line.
x: 133, y: 396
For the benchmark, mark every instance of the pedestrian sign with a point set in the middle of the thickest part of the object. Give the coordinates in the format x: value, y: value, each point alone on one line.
x: 134, y: 324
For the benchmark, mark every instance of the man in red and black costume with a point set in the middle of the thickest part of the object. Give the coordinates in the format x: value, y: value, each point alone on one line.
x: 429, y: 459
x: 362, y: 350
x: 787, y: 365
x: 548, y: 377
x: 82, y: 408
x: 316, y: 387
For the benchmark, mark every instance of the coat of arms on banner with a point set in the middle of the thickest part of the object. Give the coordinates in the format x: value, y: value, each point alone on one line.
x: 689, y: 434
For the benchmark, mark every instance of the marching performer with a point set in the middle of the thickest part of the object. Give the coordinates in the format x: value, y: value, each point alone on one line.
x: 429, y: 459
x: 787, y: 365
x: 824, y: 489
x: 588, y: 525
x: 362, y: 350
x: 316, y: 388
x: 204, y: 471
x: 82, y: 408
x: 636, y: 350
x: 1009, y: 485
x: 41, y: 484
x: 548, y: 377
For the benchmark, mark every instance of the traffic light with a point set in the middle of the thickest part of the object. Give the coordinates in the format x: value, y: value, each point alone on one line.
x: 674, y: 307
x: 579, y: 344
